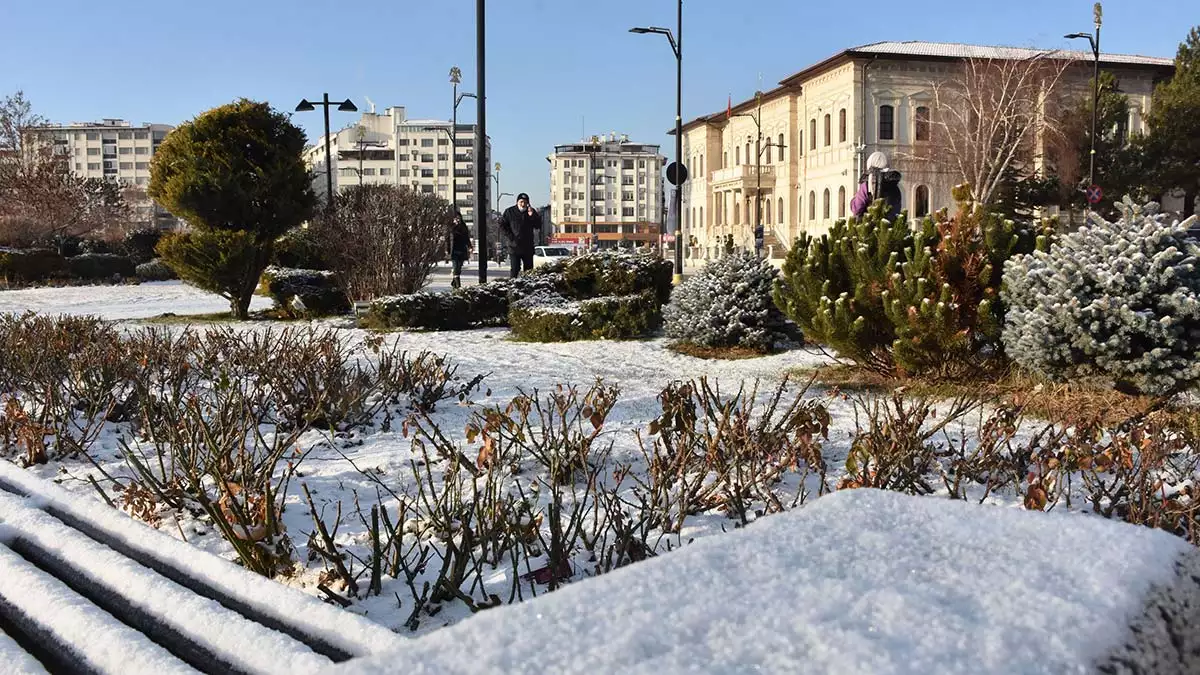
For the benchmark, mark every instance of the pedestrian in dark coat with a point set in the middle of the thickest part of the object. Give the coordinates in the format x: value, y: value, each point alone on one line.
x: 460, y: 248
x: 517, y: 226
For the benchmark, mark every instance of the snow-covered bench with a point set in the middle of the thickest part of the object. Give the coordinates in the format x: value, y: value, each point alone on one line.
x: 83, y: 588
x: 859, y: 581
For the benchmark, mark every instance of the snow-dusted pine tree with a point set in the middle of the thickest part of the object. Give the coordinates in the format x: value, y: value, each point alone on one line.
x: 1119, y: 300
x: 728, y: 304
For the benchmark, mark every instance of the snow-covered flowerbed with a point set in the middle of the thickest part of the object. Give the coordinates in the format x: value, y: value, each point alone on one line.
x: 630, y: 394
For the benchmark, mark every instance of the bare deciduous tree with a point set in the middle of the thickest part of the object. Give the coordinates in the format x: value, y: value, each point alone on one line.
x: 40, y: 198
x: 996, y: 114
x: 383, y: 239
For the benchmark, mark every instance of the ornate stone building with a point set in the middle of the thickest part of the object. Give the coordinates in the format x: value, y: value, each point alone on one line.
x: 803, y: 145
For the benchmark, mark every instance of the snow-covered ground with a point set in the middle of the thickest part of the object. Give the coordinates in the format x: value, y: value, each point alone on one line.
x: 852, y: 595
x: 120, y: 302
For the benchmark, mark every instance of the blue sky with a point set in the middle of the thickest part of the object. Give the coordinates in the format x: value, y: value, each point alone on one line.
x: 556, y: 68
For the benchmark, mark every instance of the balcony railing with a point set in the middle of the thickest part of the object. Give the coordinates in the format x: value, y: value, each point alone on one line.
x: 745, y: 172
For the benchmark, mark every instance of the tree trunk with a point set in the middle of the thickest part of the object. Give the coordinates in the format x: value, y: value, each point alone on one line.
x: 240, y: 304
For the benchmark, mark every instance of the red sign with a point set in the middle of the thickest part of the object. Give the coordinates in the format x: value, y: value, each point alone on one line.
x: 1094, y: 194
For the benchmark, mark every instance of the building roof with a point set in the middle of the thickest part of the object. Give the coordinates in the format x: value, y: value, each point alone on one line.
x: 916, y: 49
x: 965, y: 51
x: 954, y: 50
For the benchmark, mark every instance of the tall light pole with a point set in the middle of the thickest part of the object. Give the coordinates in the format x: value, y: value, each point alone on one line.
x: 676, y: 41
x: 1097, y: 15
x: 496, y: 177
x: 344, y: 106
x: 759, y: 148
x: 481, y: 172
x: 455, y: 78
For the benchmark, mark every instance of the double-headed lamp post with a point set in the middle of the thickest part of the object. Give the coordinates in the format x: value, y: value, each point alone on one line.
x: 344, y: 106
x: 1097, y: 15
x: 676, y: 40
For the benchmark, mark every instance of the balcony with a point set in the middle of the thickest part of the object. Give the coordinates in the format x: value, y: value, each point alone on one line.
x: 744, y: 177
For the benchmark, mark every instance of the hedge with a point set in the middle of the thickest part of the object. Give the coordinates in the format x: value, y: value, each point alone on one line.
x: 545, y: 318
x: 32, y: 264
x: 155, y: 270
x: 100, y: 266
x: 311, y: 293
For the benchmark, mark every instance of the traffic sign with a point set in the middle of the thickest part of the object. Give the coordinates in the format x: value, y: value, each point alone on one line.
x: 1094, y: 194
x: 676, y: 168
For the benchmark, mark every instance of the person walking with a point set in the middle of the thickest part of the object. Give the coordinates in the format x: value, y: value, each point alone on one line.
x: 460, y: 248
x: 517, y: 226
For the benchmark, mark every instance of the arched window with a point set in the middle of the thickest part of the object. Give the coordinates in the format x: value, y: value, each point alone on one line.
x: 691, y: 218
x: 812, y: 134
x: 828, y: 138
x: 749, y: 156
x: 780, y: 147
x: 842, y: 202
x: 737, y: 155
x: 749, y: 216
x: 921, y: 124
x: 825, y: 205
x: 921, y: 201
x: 767, y: 212
x: 701, y: 163
x: 842, y: 125
x: 702, y: 223
x: 812, y: 205
x: 887, y: 123
x: 800, y: 143
x: 779, y: 214
x: 725, y: 158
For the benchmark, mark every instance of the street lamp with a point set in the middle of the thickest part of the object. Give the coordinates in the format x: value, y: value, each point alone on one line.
x: 344, y: 106
x: 455, y: 78
x: 676, y: 41
x: 1097, y: 14
x: 496, y: 177
x: 759, y: 148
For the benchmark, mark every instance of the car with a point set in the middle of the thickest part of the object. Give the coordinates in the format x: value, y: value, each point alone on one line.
x: 548, y: 254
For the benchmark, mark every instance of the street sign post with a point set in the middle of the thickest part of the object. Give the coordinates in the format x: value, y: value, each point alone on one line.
x: 676, y: 174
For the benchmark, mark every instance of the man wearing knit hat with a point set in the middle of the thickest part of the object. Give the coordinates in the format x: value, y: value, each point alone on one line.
x: 517, y: 226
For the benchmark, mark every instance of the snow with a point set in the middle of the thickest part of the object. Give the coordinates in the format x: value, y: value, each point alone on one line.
x: 859, y: 581
x: 120, y: 302
x: 109, y: 645
x: 223, y: 632
x: 347, y: 631
x: 15, y: 660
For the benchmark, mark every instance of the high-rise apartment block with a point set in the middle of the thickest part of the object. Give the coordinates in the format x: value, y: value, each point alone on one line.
x: 389, y: 148
x: 606, y: 191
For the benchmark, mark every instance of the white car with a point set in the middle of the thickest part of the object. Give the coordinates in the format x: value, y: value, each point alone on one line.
x: 548, y: 254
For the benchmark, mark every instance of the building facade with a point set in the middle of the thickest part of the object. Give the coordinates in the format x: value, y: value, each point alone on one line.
x: 606, y: 192
x: 388, y: 148
x: 113, y: 150
x: 801, y: 148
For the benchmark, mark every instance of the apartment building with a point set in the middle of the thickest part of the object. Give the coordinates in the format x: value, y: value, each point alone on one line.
x: 801, y: 147
x: 606, y: 191
x: 113, y: 150
x: 389, y: 148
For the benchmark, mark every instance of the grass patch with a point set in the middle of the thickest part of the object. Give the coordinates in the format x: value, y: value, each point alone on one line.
x: 1071, y: 402
x: 714, y: 353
